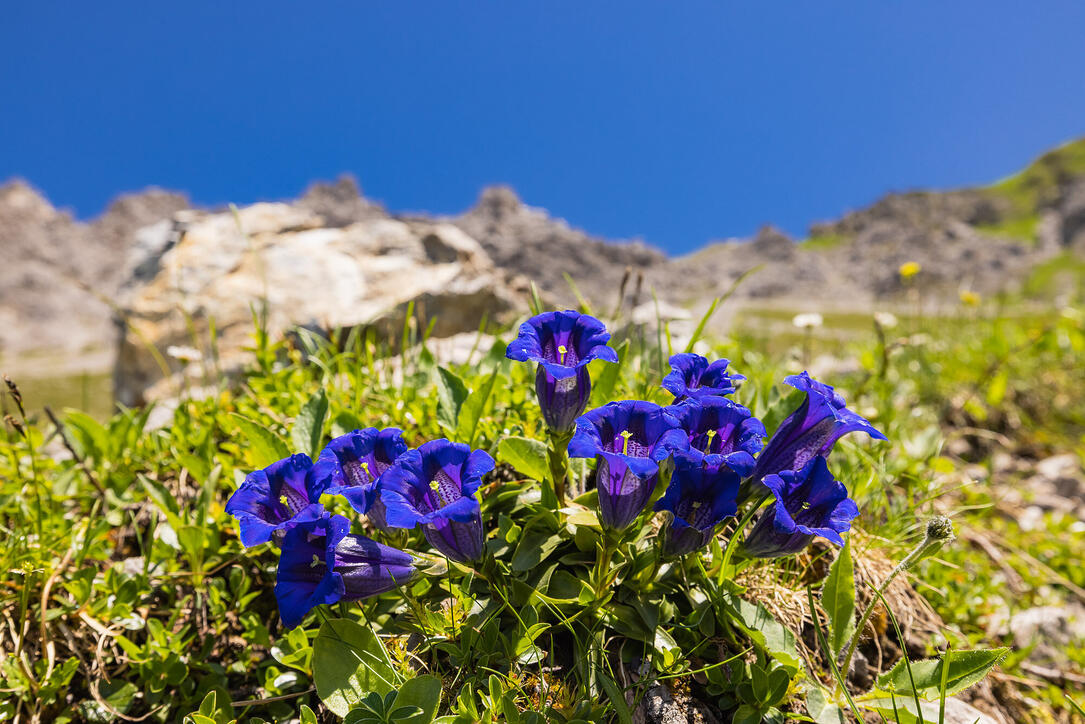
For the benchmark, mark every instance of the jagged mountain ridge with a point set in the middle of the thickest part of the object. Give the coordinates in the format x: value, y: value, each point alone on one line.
x: 58, y: 274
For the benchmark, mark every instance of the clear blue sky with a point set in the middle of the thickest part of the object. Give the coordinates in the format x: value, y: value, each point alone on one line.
x: 673, y: 121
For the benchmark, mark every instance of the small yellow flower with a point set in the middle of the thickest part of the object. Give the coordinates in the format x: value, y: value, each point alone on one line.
x: 970, y: 298
x: 909, y: 269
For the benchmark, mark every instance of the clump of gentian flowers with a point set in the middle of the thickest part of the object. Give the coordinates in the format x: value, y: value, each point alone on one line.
x: 698, y: 461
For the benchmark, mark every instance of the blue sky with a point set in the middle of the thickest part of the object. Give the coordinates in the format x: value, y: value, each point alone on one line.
x: 673, y: 121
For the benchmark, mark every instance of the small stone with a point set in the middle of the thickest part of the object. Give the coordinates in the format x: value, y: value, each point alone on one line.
x: 958, y: 712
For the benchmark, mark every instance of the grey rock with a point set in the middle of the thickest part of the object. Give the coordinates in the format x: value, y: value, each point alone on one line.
x: 1050, y: 628
x: 1072, y: 211
x: 58, y: 276
x: 659, y: 706
x: 528, y: 241
x: 958, y: 712
x: 301, y: 272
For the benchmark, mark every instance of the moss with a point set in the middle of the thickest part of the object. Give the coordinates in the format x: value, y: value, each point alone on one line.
x: 1038, y: 184
x: 1014, y: 227
x: 823, y: 241
x: 1064, y: 273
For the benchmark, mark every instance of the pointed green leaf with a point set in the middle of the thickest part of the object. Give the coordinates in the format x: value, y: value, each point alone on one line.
x: 526, y: 456
x: 348, y: 663
x: 616, y: 697
x: 821, y: 709
x: 472, y: 409
x: 535, y: 545
x: 965, y: 669
x: 838, y: 599
x: 309, y: 425
x: 451, y: 392
x: 423, y: 692
x: 264, y: 447
x: 765, y: 631
x: 605, y: 376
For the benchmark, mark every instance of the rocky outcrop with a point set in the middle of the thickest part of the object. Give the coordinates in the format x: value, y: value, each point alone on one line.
x: 1072, y: 212
x: 58, y: 275
x: 339, y: 259
x: 529, y: 241
x: 200, y: 270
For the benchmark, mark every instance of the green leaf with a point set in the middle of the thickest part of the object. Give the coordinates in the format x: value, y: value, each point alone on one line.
x: 605, y: 376
x: 264, y: 446
x: 965, y: 669
x: 996, y: 390
x: 451, y: 392
x: 423, y: 692
x: 765, y: 631
x: 308, y: 428
x: 777, y: 684
x: 535, y: 545
x: 838, y: 599
x: 526, y: 456
x: 92, y: 439
x: 821, y: 709
x: 900, y: 709
x: 472, y: 409
x: 616, y: 696
x: 348, y: 663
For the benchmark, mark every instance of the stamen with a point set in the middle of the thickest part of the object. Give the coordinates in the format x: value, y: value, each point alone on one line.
x: 626, y: 434
x: 436, y: 488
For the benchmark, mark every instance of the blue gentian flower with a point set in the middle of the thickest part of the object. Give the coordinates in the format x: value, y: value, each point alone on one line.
x: 725, y: 432
x: 698, y: 497
x: 809, y: 502
x: 352, y: 465
x: 692, y: 376
x: 434, y: 486
x: 321, y: 562
x: 811, y: 430
x: 273, y: 500
x: 562, y: 343
x: 629, y: 440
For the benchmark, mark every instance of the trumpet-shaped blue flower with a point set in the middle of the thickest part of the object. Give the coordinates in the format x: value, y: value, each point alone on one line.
x: 352, y: 465
x: 321, y: 562
x: 273, y: 500
x: 692, y: 376
x: 811, y: 430
x: 809, y: 502
x: 698, y: 497
x: 562, y: 344
x: 629, y: 440
x: 725, y: 432
x: 434, y: 486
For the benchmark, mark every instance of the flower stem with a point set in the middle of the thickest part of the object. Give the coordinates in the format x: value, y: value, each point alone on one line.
x: 557, y: 457
x: 602, y: 566
x: 939, y: 532
x: 732, y: 542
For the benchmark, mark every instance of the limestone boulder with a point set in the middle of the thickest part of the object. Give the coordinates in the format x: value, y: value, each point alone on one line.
x: 203, y: 271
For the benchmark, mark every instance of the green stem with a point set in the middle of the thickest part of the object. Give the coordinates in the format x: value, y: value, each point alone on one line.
x: 939, y: 531
x: 867, y: 612
x: 732, y: 542
x: 451, y: 596
x: 557, y: 456
x: 602, y: 565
